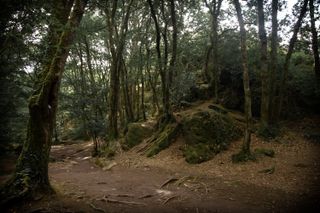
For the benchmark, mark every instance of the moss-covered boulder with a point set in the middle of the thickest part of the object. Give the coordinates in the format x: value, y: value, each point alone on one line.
x: 163, y: 139
x: 207, y: 133
x: 137, y: 132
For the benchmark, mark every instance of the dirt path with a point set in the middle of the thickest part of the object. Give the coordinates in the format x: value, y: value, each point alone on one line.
x: 132, y: 183
x: 137, y: 188
x: 166, y: 183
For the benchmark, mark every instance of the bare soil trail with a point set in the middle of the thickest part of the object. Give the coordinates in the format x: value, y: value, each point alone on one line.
x: 131, y: 182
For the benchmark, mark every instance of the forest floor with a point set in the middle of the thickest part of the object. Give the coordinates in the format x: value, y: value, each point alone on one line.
x: 130, y: 182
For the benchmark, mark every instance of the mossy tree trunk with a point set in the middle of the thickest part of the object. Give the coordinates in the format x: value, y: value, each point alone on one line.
x: 246, y: 80
x: 31, y: 174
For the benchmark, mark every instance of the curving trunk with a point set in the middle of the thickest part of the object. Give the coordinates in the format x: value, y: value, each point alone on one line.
x: 31, y: 174
x: 246, y: 80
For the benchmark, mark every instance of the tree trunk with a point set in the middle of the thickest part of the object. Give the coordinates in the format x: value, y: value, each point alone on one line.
x: 314, y: 43
x: 116, y: 44
x: 264, y: 109
x: 283, y: 83
x: 159, y: 57
x: 31, y: 174
x: 246, y: 81
x: 273, y: 60
x: 214, y: 9
x: 126, y: 95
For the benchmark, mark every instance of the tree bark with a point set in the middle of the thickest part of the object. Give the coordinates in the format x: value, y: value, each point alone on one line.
x: 214, y: 9
x: 283, y: 83
x: 246, y: 80
x: 264, y: 109
x: 273, y: 59
x: 314, y: 43
x: 31, y: 174
x: 116, y: 43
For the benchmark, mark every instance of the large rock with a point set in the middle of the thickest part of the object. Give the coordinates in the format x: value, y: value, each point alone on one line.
x: 137, y: 132
x: 207, y: 133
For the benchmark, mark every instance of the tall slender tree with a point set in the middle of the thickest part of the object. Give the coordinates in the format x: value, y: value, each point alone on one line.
x: 246, y: 81
x: 314, y: 42
x: 265, y: 77
x: 285, y: 71
x: 166, y: 74
x: 116, y: 43
x: 273, y: 59
x: 214, y: 8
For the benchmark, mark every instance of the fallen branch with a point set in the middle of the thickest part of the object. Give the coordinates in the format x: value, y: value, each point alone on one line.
x: 96, y: 208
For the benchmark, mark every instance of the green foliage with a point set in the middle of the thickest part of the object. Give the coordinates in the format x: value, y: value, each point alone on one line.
x: 106, y: 151
x: 303, y: 93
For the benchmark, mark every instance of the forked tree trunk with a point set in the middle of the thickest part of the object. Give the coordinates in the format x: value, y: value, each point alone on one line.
x: 116, y: 44
x: 246, y: 81
x: 31, y: 174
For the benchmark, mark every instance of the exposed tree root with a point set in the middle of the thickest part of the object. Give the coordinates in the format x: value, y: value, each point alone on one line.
x: 23, y: 187
x: 108, y: 200
x: 168, y: 199
x: 96, y: 208
x: 170, y: 180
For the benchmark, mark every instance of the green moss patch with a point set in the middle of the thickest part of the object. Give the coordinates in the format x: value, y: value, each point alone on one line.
x: 137, y: 132
x: 265, y: 152
x: 207, y: 133
x: 163, y: 139
x: 243, y: 157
